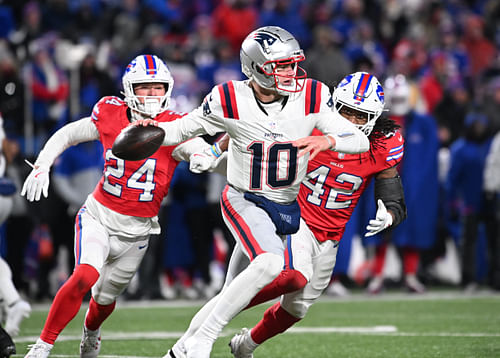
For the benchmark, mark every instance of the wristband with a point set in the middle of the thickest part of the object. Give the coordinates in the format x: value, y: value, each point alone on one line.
x: 329, y: 142
x: 216, y: 150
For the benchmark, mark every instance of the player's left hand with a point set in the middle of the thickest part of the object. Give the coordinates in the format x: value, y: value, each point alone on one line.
x: 144, y: 122
x: 313, y: 145
x: 383, y: 219
x: 202, y: 161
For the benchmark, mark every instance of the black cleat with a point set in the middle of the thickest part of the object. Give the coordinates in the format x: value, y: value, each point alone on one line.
x: 7, y: 346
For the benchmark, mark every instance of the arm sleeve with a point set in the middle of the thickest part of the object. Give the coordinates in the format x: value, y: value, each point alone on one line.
x: 348, y: 138
x: 184, y: 150
x: 73, y: 133
x: 200, y: 121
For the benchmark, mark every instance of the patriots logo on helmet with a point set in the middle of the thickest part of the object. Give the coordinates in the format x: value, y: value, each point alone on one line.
x: 265, y: 40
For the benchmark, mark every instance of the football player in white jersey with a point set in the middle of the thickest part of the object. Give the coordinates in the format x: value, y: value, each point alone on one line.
x: 268, y: 117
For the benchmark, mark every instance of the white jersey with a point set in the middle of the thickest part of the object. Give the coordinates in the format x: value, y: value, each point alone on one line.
x: 261, y: 158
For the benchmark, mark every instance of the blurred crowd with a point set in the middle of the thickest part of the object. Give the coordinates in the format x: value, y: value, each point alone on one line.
x: 440, y: 65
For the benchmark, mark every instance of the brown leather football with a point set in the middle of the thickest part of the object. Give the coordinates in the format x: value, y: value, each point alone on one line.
x: 138, y: 142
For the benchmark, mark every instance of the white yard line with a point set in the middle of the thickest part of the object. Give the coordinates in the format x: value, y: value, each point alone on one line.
x: 357, y: 297
x: 373, y: 330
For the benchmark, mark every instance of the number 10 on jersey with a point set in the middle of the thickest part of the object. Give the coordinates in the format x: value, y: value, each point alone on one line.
x: 281, y: 169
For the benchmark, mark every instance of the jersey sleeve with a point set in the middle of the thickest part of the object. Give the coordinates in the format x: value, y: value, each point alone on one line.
x: 348, y: 138
x: 96, y: 110
x: 317, y: 97
x: 205, y: 119
x: 393, y: 150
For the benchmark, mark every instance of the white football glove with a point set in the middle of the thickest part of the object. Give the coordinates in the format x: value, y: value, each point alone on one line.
x: 382, y: 220
x: 202, y: 161
x: 36, y: 183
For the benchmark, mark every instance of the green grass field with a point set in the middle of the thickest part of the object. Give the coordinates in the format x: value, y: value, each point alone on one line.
x: 448, y: 325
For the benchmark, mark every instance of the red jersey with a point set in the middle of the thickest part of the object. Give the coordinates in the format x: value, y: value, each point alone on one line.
x: 335, y: 182
x: 134, y: 188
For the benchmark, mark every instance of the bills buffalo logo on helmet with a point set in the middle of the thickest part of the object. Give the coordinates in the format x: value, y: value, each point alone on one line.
x: 130, y: 66
x: 380, y: 93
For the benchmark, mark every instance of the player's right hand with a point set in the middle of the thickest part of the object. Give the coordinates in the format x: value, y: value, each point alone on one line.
x: 36, y: 183
x: 383, y: 219
x: 202, y: 161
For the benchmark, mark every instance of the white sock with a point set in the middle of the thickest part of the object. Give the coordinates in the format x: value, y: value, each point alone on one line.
x: 261, y: 271
x: 198, y: 319
x: 250, y: 342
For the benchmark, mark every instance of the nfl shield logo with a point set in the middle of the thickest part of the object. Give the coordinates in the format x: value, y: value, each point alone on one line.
x: 341, y: 155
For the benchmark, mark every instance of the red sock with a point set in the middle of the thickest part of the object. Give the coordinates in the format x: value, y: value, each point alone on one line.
x: 287, y: 281
x: 411, y: 257
x: 276, y: 320
x: 68, y: 301
x: 378, y: 264
x: 97, y: 314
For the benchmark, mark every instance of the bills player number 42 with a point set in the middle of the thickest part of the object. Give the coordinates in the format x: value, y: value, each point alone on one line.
x: 316, y: 180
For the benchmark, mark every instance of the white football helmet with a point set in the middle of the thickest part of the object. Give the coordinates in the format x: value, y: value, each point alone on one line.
x: 398, y: 95
x: 360, y: 91
x: 147, y: 69
x: 265, y: 48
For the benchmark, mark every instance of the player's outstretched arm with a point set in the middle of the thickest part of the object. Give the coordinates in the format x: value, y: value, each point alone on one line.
x: 37, y: 182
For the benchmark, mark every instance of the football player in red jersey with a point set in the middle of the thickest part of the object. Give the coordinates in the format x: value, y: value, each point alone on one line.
x: 112, y: 228
x: 327, y: 198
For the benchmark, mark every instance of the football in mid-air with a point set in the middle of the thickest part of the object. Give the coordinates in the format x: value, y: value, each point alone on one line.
x: 138, y: 142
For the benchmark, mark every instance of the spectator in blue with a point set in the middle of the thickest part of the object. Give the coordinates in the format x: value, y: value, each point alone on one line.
x: 50, y: 88
x: 226, y: 66
x: 322, y: 54
x: 464, y: 188
x: 94, y: 84
x: 7, y: 21
x: 283, y: 13
x: 364, y: 43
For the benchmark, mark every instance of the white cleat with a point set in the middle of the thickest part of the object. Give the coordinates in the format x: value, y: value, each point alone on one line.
x: 413, y: 284
x: 90, y: 344
x: 177, y: 351
x: 39, y: 350
x: 15, y: 314
x: 376, y: 285
x: 336, y: 288
x: 198, y: 348
x: 240, y: 345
